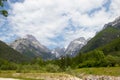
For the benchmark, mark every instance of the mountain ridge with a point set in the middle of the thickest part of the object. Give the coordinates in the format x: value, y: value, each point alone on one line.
x: 75, y: 45
x: 31, y: 47
x: 9, y: 54
x: 109, y: 32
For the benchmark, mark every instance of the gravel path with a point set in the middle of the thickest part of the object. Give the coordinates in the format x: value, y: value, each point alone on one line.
x: 8, y: 79
x: 47, y: 78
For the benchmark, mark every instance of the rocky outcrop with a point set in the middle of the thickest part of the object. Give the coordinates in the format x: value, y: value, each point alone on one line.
x: 58, y: 52
x: 115, y: 23
x: 75, y: 46
x: 31, y: 47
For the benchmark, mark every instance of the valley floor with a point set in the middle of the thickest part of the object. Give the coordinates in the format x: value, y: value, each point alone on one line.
x: 108, y: 73
x: 40, y: 76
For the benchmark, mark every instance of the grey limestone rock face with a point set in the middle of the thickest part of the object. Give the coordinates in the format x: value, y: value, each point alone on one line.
x: 30, y: 46
x: 75, y: 46
x: 58, y: 52
x: 115, y: 23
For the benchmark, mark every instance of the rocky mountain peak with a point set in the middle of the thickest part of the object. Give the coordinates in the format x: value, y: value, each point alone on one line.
x: 80, y: 40
x: 30, y: 37
x: 30, y: 46
x: 58, y: 52
x: 115, y: 23
x: 75, y: 46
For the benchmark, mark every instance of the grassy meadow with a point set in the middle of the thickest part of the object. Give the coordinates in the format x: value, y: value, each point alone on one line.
x: 38, y: 75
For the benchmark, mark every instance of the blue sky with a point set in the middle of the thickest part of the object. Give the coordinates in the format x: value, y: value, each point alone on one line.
x: 56, y: 23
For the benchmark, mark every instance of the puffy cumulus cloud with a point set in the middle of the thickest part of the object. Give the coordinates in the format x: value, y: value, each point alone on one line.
x: 57, y: 22
x: 115, y: 8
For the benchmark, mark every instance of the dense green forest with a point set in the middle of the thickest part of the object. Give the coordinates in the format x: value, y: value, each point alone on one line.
x: 9, y: 54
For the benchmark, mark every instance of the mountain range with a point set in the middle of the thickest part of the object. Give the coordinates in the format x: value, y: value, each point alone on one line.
x: 75, y: 46
x: 28, y: 47
x: 9, y: 54
x: 58, y: 52
x: 110, y: 32
x: 72, y: 49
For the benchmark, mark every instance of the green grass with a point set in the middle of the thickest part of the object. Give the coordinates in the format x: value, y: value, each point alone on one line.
x: 33, y: 76
x: 110, y: 71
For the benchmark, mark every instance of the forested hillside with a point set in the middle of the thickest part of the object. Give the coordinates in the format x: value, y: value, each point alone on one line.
x: 102, y: 38
x: 9, y: 54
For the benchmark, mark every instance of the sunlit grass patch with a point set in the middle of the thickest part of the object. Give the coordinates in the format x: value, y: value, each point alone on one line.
x: 110, y: 71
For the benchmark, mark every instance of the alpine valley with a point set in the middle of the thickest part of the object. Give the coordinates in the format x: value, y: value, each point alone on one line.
x: 28, y: 58
x: 59, y: 39
x: 30, y: 47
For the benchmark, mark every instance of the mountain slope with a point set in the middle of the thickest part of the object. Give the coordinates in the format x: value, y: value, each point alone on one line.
x: 110, y: 32
x: 58, y: 52
x: 30, y: 47
x: 112, y: 48
x: 7, y: 53
x: 75, y: 45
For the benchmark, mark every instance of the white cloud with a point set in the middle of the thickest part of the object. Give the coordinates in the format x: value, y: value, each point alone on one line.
x: 115, y: 8
x: 47, y: 19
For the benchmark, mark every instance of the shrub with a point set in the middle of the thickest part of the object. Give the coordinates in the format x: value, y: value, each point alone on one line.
x: 52, y: 68
x: 8, y: 67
